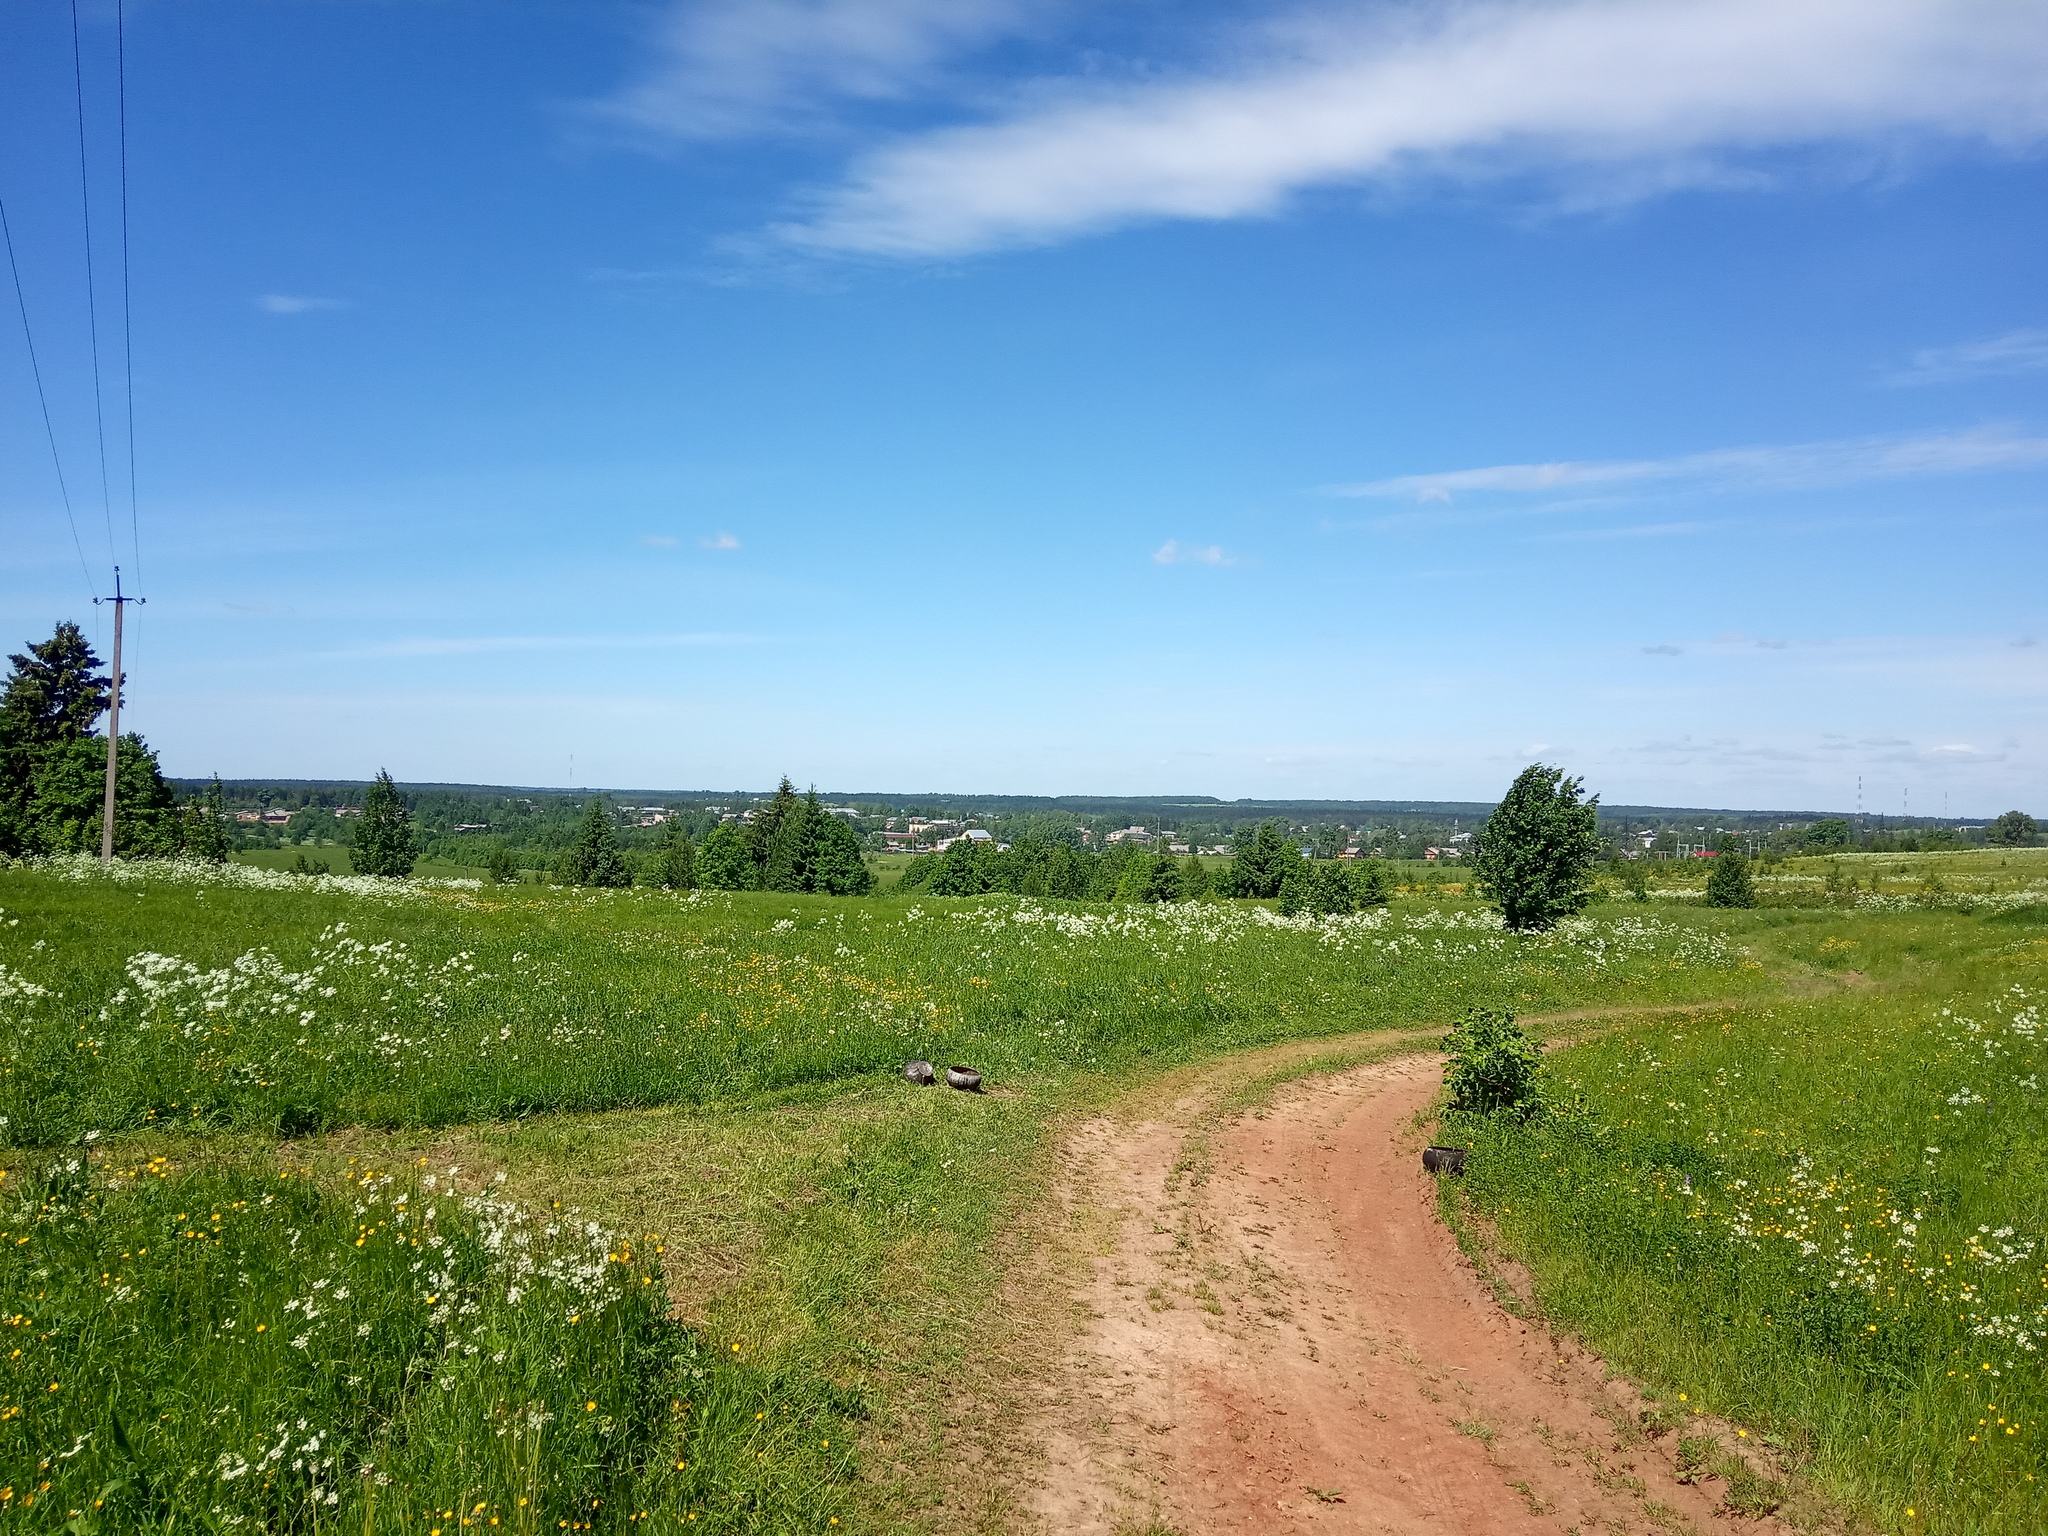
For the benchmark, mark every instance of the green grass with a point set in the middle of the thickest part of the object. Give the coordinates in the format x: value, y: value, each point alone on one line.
x: 291, y: 1006
x: 1824, y: 1218
x: 338, y: 862
x: 711, y: 1080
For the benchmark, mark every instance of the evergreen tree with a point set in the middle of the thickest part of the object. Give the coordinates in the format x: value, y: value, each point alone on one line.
x: 1728, y: 883
x: 54, y: 696
x: 726, y: 862
x: 205, y: 826
x: 1150, y: 877
x: 386, y: 843
x: 594, y: 858
x: 67, y: 798
x: 1067, y: 872
x: 1263, y: 862
x: 1195, y: 881
x: 1537, y: 849
x: 1634, y: 880
x: 836, y: 865
x: 501, y: 867
x: 1371, y: 885
x: 675, y: 860
x: 772, y: 839
x: 1108, y: 874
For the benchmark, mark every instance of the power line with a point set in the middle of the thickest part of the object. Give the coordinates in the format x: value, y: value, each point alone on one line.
x: 127, y: 321
x: 43, y: 399
x: 92, y: 301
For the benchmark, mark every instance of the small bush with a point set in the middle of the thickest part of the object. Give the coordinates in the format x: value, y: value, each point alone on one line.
x: 1494, y: 1065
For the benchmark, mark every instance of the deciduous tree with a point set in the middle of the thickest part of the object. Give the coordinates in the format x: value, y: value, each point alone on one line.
x: 1537, y: 850
x: 2015, y: 829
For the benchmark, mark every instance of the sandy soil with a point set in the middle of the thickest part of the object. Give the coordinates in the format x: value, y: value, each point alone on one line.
x: 1282, y: 1338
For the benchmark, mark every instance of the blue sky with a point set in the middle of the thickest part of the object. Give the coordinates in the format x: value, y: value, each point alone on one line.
x: 1348, y: 400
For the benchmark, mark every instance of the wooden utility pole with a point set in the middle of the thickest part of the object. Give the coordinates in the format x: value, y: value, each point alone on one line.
x: 113, y: 722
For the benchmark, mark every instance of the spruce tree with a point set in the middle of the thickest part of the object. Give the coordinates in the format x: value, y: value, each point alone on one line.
x: 54, y: 696
x: 595, y: 858
x: 1536, y: 853
x: 768, y: 841
x: 675, y: 860
x: 837, y: 868
x: 501, y: 867
x: 386, y: 842
x: 1728, y: 883
x: 67, y: 798
x: 1263, y: 862
x: 1195, y: 881
x: 205, y: 829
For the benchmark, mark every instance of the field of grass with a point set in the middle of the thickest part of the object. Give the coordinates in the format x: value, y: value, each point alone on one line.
x: 338, y: 863
x: 1822, y: 1219
x: 614, y: 1203
x: 710, y: 1080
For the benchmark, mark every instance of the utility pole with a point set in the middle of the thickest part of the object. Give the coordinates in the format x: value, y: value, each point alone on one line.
x: 113, y: 721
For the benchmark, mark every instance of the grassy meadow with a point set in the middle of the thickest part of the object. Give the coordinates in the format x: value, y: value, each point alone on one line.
x: 343, y: 1204
x: 1821, y: 1218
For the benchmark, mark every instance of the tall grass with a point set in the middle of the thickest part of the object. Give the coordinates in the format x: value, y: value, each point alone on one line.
x: 1824, y: 1219
x: 137, y: 1004
x: 236, y: 1347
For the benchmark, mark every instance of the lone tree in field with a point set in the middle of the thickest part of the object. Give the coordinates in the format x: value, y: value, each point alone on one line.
x: 1728, y: 882
x: 594, y: 858
x: 1536, y: 852
x: 385, y: 843
x: 2015, y: 829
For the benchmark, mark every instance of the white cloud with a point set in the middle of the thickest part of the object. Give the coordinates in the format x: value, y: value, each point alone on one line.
x: 2021, y: 351
x: 730, y: 68
x: 293, y: 303
x: 1649, y: 94
x: 658, y: 541
x: 1796, y: 466
x: 720, y: 541
x: 1173, y: 552
x: 1637, y: 531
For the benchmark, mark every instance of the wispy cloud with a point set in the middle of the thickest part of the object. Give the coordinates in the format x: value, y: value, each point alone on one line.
x: 1645, y: 94
x: 294, y: 303
x: 720, y: 541
x: 1798, y: 466
x: 659, y: 540
x: 1663, y: 650
x: 2022, y: 351
x: 1637, y: 531
x: 1173, y: 552
x: 732, y: 68
x: 482, y: 645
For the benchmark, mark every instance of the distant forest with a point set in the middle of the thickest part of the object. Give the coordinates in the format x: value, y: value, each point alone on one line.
x: 466, y: 824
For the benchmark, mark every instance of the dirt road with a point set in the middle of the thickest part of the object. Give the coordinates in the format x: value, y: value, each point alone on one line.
x: 1280, y: 1336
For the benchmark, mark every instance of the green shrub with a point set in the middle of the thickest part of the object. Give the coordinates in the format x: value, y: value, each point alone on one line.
x: 1494, y: 1065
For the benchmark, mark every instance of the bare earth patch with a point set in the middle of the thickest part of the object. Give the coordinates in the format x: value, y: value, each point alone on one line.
x: 1278, y: 1335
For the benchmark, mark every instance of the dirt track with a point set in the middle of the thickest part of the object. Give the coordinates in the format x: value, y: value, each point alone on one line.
x: 1288, y: 1340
